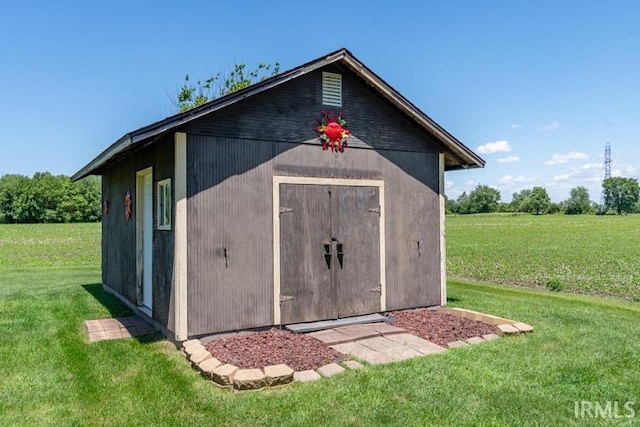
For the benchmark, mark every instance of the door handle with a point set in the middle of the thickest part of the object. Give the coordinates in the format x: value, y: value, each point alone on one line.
x: 327, y: 254
x: 340, y: 252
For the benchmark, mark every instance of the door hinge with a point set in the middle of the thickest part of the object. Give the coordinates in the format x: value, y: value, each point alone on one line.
x: 375, y: 210
x: 285, y: 210
x: 377, y: 289
x: 284, y: 298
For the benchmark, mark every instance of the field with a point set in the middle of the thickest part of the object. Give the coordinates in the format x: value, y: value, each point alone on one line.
x: 583, y: 349
x: 598, y: 255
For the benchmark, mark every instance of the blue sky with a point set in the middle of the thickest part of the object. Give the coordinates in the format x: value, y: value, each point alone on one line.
x: 537, y: 88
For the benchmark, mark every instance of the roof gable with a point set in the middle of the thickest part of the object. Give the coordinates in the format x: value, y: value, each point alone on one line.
x: 457, y: 155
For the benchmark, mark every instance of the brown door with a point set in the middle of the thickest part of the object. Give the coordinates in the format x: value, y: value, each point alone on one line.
x: 329, y: 252
x: 356, y: 226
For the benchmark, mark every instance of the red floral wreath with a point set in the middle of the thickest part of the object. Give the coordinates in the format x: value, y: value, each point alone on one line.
x: 333, y: 132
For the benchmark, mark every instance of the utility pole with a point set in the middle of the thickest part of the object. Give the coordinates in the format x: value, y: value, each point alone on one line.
x: 607, y: 173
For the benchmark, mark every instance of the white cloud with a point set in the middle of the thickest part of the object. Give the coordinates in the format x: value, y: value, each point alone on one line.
x: 559, y: 159
x: 588, y: 166
x: 494, y: 147
x: 469, y: 183
x: 563, y: 177
x: 448, y: 185
x: 625, y: 170
x: 508, y: 159
x: 510, y: 179
x: 515, y: 126
x: 551, y: 126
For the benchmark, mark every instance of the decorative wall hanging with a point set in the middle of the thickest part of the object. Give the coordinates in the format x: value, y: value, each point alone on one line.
x: 127, y: 206
x: 105, y: 207
x: 332, y: 131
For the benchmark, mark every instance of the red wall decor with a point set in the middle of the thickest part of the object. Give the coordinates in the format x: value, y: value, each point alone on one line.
x: 332, y: 131
x: 128, y: 212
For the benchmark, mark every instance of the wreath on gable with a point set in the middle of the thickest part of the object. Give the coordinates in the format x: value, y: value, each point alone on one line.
x: 332, y: 131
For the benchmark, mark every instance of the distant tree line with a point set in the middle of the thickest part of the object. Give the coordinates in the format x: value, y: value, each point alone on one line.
x: 621, y: 195
x: 47, y: 198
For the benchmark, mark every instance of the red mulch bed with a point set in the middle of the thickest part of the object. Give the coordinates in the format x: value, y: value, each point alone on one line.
x: 297, y: 351
x: 301, y: 352
x: 439, y: 327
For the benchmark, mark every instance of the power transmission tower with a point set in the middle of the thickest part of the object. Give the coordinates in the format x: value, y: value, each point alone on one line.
x: 607, y: 173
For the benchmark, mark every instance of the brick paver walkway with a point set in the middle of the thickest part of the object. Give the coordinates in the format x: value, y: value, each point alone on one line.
x: 117, y: 328
x: 376, y: 342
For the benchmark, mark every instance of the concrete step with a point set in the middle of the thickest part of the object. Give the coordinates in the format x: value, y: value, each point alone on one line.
x: 330, y: 324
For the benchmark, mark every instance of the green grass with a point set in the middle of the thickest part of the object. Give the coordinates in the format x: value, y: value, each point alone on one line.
x: 583, y: 348
x: 598, y: 255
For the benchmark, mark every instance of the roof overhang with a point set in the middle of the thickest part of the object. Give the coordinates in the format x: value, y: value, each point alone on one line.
x: 457, y: 155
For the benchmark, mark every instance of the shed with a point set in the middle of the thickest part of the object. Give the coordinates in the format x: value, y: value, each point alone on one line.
x: 232, y: 216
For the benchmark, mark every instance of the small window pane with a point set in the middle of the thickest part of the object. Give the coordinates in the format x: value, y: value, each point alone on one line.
x: 164, y: 205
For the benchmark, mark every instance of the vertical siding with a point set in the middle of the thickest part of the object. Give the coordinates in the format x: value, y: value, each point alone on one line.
x: 119, y: 261
x: 230, y: 206
x: 412, y: 209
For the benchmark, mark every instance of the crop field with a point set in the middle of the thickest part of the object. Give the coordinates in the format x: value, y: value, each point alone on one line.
x: 26, y: 246
x: 597, y: 255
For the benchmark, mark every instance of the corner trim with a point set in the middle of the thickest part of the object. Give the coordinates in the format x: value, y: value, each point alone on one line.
x: 442, y: 235
x: 180, y: 247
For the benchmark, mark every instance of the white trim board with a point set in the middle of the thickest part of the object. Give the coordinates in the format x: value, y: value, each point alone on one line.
x: 442, y: 234
x: 277, y: 180
x: 181, y: 241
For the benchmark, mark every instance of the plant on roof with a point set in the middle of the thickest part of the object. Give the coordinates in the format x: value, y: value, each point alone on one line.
x: 191, y: 95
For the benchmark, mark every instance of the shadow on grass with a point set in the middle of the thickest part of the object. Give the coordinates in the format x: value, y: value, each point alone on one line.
x: 115, y: 307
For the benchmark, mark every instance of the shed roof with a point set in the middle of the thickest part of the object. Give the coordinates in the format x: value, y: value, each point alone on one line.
x: 457, y: 155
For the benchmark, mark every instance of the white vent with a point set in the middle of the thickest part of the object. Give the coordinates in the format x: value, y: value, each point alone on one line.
x: 332, y: 89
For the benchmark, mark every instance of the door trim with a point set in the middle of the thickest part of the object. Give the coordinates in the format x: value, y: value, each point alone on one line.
x: 139, y: 213
x: 277, y: 180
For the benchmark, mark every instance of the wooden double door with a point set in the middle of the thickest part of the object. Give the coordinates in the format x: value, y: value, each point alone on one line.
x: 329, y: 251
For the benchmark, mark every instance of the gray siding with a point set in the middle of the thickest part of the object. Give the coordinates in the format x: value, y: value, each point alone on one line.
x: 119, y: 261
x: 232, y: 156
x: 289, y: 113
x: 230, y: 206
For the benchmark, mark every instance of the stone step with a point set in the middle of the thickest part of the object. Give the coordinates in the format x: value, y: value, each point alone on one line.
x: 329, y: 324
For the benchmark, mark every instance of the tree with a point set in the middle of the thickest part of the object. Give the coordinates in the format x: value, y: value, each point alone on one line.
x: 538, y: 202
x: 450, y: 205
x: 190, y: 96
x: 518, y: 199
x: 578, y: 202
x: 11, y: 189
x: 462, y: 204
x: 620, y: 194
x: 483, y: 199
x: 46, y: 198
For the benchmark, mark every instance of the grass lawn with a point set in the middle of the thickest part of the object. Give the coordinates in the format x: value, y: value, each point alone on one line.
x: 599, y: 255
x: 583, y: 348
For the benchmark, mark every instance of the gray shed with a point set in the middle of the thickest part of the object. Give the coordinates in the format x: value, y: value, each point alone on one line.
x: 232, y: 216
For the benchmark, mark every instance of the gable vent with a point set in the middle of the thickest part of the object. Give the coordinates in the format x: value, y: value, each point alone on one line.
x: 332, y: 89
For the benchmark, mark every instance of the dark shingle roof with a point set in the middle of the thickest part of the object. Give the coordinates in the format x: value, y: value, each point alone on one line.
x: 457, y: 155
